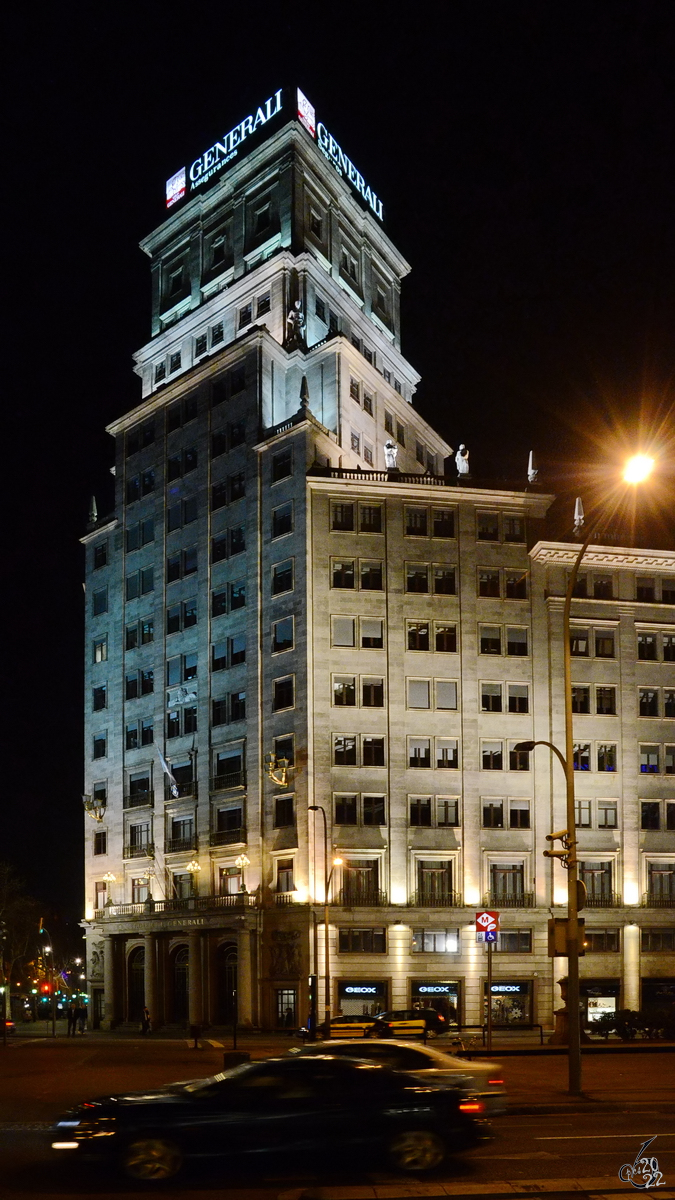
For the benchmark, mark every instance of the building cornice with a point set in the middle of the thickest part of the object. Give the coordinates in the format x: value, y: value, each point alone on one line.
x: 603, y: 556
x: 377, y: 482
x: 103, y: 527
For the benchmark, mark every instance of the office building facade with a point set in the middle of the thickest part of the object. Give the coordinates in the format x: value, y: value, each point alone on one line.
x: 301, y: 603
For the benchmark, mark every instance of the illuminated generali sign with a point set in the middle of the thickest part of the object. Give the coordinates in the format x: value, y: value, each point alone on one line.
x: 212, y: 161
x: 209, y: 164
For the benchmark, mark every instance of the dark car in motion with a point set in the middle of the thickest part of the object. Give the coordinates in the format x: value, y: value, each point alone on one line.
x: 298, y: 1106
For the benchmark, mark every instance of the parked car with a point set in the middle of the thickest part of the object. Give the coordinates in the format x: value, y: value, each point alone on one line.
x: 428, y: 1064
x: 323, y: 1104
x: 350, y: 1026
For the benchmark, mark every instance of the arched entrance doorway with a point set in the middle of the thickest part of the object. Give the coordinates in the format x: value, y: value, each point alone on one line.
x: 226, y: 976
x: 136, y: 984
x: 181, y: 963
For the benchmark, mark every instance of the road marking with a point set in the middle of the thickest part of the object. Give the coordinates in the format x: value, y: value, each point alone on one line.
x: 596, y: 1137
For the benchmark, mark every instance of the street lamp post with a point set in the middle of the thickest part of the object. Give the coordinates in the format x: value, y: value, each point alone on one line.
x: 50, y: 950
x: 327, y: 876
x: 636, y: 471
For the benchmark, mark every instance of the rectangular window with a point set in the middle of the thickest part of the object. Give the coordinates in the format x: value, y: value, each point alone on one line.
x: 514, y: 941
x: 447, y: 753
x: 445, y: 694
x: 579, y: 643
x: 342, y: 517
x: 355, y: 389
x: 493, y: 814
x: 605, y: 701
x: 645, y: 588
x: 101, y: 843
x: 650, y: 814
x: 282, y: 520
x: 434, y: 941
x: 285, y: 880
x: 419, y: 752
x: 519, y: 760
x: 603, y: 587
x: 346, y: 808
x: 416, y: 522
x: 653, y: 941
x: 419, y: 693
x: 445, y: 581
x: 488, y: 583
x: 282, y: 577
x: 282, y: 464
x: 400, y: 432
x: 514, y: 528
x: 515, y: 583
x: 447, y: 812
x: 282, y: 635
x: 604, y: 643
x: 367, y: 398
x: 445, y: 638
x: 418, y: 635
x: 516, y: 641
x: 99, y: 745
x: 370, y: 575
x: 284, y: 814
x: 581, y: 699
x: 417, y: 577
x: 490, y: 639
x: 646, y: 647
x: 372, y: 749
x: 101, y: 649
x: 434, y: 880
x: 487, y: 526
x: 492, y: 756
x: 442, y: 523
x: 581, y: 757
x: 649, y: 760
x: 344, y: 750
x: 342, y: 573
x: 518, y: 697
x: 648, y: 702
x: 669, y: 702
x: 519, y: 814
x: 373, y: 810
x: 370, y: 518
x: 100, y: 555
x: 420, y: 812
x: 372, y: 633
x: 283, y: 693
x: 100, y: 601
x: 362, y: 941
x: 372, y: 691
x: 669, y: 760
x: 606, y: 756
x: 491, y: 697
x: 344, y: 691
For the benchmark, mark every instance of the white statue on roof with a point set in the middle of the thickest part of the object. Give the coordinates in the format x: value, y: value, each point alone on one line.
x: 390, y: 453
x: 462, y: 460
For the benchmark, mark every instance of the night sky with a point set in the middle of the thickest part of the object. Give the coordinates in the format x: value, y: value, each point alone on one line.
x: 524, y: 154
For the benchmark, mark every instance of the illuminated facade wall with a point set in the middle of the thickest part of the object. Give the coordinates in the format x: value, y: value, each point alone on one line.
x: 266, y: 585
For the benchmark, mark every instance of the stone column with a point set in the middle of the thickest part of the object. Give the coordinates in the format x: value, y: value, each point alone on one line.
x: 109, y: 997
x: 150, y: 978
x: 195, y: 1006
x: 244, y: 981
x: 631, y: 967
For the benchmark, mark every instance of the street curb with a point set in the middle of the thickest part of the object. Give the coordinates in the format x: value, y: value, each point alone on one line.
x: 588, y: 1106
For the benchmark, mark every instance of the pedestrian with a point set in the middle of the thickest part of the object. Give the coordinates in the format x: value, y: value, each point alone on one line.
x: 80, y: 1016
x: 146, y: 1022
x: 72, y: 1018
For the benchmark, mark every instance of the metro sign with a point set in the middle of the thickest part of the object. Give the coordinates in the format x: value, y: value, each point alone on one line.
x: 487, y: 922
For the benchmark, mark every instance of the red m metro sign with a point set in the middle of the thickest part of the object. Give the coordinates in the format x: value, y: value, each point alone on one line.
x: 487, y: 922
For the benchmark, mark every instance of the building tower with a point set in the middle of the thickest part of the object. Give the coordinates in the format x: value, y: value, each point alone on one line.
x: 294, y: 568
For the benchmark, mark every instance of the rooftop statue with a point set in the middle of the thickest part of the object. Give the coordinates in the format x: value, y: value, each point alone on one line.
x: 462, y: 460
x: 390, y: 454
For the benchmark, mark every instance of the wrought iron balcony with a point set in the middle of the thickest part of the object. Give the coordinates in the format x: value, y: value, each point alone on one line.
x: 228, y: 837
x: 140, y: 799
x: 603, y: 900
x: 176, y: 905
x: 658, y: 900
x: 355, y: 897
x: 174, y: 845
x: 424, y: 899
x: 500, y: 900
x: 142, y: 850
x: 234, y: 779
x: 185, y: 788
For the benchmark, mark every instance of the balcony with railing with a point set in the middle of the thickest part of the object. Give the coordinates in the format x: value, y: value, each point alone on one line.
x: 233, y: 779
x: 285, y: 899
x: 435, y: 899
x: 140, y: 850
x: 499, y: 900
x: 176, y: 904
x: 187, y: 788
x: 360, y: 897
x: 602, y: 900
x: 176, y: 845
x: 228, y: 837
x: 139, y: 799
x: 658, y: 899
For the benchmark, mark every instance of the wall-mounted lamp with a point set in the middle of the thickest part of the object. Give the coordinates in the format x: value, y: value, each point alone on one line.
x: 242, y: 862
x: 277, y: 769
x: 94, y: 807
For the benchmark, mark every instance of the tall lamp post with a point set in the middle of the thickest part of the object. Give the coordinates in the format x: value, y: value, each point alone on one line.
x: 49, y: 949
x: 327, y: 876
x: 636, y: 471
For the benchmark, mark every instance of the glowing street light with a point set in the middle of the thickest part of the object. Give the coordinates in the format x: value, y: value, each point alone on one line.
x: 638, y: 468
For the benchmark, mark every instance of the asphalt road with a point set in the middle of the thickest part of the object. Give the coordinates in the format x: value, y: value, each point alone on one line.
x: 574, y: 1152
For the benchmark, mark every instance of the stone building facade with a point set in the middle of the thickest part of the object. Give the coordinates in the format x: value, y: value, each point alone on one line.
x: 270, y: 584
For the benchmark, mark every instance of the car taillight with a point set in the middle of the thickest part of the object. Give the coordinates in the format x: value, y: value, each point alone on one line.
x: 496, y: 1081
x: 471, y: 1106
x: 440, y: 1018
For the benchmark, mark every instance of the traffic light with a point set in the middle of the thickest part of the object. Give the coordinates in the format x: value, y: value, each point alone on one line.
x: 46, y: 988
x: 557, y: 937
